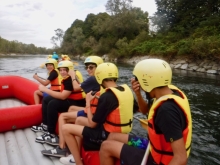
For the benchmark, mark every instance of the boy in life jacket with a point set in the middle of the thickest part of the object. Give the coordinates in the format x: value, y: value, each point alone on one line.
x: 58, y: 102
x: 90, y: 84
x: 54, y: 79
x: 114, y: 113
x: 169, y: 121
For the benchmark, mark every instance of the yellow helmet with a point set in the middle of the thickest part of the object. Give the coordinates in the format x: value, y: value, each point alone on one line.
x: 65, y: 57
x: 49, y: 56
x: 94, y: 59
x: 51, y: 61
x: 106, y: 70
x: 152, y: 73
x: 66, y: 64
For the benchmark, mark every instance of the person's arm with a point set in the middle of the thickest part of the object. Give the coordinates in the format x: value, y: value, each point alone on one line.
x: 40, y: 80
x: 89, y: 97
x: 76, y: 85
x: 143, y: 106
x: 58, y: 95
x: 179, y: 151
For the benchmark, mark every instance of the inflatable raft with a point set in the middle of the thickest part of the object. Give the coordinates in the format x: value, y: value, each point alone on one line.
x: 17, y: 114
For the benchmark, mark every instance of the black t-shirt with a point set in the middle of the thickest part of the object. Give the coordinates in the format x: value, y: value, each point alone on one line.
x: 68, y: 84
x: 53, y: 75
x: 90, y: 84
x: 107, y: 103
x: 170, y: 120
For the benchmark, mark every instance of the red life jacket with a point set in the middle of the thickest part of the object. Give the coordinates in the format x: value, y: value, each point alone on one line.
x: 94, y: 103
x: 79, y: 95
x: 161, y: 150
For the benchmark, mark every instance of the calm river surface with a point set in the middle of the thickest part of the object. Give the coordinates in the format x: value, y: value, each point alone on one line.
x: 203, y: 92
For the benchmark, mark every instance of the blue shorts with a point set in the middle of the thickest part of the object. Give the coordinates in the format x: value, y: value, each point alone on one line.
x: 81, y: 113
x: 45, y: 94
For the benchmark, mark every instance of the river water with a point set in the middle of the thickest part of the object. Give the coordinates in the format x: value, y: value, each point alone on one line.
x: 202, y: 90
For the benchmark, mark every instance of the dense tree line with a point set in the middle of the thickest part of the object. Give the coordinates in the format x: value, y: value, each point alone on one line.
x: 7, y: 47
x: 179, y: 27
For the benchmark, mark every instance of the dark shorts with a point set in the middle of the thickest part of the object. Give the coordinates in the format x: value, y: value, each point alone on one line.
x: 81, y: 113
x: 135, y: 149
x: 93, y: 138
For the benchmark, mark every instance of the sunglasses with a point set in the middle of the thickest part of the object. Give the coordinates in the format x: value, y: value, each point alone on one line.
x: 89, y: 67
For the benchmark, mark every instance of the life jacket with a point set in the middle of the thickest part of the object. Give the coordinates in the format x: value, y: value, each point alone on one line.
x: 75, y: 95
x: 55, y: 84
x: 120, y: 119
x: 159, y: 148
x: 94, y: 103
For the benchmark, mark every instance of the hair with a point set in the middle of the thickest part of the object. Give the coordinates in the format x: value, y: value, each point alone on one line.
x: 67, y: 69
x: 90, y: 63
x: 110, y: 79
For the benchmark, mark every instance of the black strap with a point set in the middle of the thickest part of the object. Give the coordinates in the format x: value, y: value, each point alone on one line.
x: 120, y: 125
x: 167, y: 152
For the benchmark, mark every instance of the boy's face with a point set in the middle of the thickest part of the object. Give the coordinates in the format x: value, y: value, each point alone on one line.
x: 49, y: 67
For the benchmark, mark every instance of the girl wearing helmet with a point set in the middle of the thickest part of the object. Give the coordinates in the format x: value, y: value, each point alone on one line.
x: 54, y: 79
x: 90, y: 84
x: 58, y: 102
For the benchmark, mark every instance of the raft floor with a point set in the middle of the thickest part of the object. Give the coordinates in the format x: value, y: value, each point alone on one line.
x: 19, y: 147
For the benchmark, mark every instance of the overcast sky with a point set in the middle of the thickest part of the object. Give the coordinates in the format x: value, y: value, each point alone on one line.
x: 34, y: 21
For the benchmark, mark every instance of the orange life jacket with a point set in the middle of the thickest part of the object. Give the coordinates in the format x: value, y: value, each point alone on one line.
x: 55, y: 84
x: 94, y: 103
x: 161, y: 150
x: 120, y: 119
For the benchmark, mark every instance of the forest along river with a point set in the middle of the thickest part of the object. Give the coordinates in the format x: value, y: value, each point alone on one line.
x: 203, y: 92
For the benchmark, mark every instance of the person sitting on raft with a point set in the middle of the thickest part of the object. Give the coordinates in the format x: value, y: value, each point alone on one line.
x: 54, y: 79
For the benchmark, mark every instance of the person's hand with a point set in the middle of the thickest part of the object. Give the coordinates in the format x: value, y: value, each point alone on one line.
x: 35, y: 76
x: 89, y: 97
x: 72, y: 73
x: 42, y: 88
x: 135, y: 86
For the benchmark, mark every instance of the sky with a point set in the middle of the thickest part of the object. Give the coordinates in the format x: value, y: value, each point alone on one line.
x: 34, y: 21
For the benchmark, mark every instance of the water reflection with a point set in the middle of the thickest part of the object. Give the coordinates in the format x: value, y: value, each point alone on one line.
x: 202, y: 90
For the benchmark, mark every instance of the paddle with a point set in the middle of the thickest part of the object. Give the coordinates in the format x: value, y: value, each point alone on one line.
x: 41, y: 77
x: 144, y: 125
x: 142, y: 121
x: 144, y: 160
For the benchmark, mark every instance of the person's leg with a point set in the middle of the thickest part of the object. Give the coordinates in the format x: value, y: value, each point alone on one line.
x: 110, y: 149
x: 55, y: 107
x: 67, y: 117
x: 70, y: 131
x: 120, y: 137
x: 84, y: 122
x: 126, y: 145
x: 37, y: 96
x: 74, y: 108
x: 43, y: 126
x: 46, y: 100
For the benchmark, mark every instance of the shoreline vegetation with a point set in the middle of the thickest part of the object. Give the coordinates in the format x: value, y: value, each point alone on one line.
x: 185, y: 34
x: 183, y: 63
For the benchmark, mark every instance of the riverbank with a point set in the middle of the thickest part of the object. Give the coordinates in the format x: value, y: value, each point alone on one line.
x: 183, y: 63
